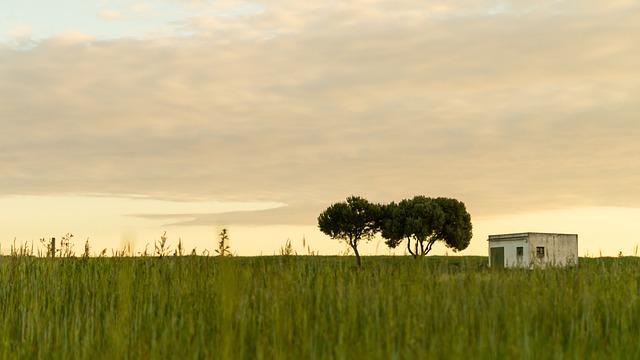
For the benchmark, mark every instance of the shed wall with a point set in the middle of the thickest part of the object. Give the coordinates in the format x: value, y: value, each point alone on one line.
x: 510, y: 251
x: 560, y: 249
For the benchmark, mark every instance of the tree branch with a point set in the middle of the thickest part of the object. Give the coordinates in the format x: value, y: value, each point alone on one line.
x: 430, y: 245
x: 409, y: 247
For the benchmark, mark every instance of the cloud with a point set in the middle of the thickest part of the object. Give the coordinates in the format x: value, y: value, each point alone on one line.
x: 279, y: 216
x: 110, y: 15
x: 21, y: 37
x: 306, y: 103
x: 142, y: 8
x: 21, y: 32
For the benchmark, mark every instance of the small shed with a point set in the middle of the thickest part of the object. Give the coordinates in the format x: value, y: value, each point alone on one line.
x: 531, y: 249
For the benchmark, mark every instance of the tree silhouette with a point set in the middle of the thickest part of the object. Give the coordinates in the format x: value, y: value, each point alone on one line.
x: 350, y: 221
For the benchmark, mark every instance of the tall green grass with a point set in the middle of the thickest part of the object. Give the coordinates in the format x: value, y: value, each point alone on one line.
x: 315, y: 308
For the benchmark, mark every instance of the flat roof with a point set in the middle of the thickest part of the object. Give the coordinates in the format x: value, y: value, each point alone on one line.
x: 517, y: 236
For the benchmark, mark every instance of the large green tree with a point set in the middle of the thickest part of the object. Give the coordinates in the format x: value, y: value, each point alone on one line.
x: 350, y: 221
x: 422, y: 221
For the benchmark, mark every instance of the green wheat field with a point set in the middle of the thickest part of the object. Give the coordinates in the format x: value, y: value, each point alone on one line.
x: 315, y: 307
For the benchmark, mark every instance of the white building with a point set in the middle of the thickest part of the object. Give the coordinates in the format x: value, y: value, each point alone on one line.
x: 532, y: 250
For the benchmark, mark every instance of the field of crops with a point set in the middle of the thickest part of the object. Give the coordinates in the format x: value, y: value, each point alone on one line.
x: 313, y: 307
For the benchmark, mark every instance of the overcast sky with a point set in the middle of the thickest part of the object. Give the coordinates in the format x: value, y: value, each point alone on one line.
x: 513, y: 107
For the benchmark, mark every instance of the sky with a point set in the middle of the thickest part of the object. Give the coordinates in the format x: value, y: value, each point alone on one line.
x: 121, y: 120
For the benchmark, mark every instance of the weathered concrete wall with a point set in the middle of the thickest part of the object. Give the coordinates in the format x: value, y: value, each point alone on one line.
x: 560, y: 249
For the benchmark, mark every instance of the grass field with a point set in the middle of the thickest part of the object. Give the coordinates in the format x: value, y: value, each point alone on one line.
x: 312, y: 307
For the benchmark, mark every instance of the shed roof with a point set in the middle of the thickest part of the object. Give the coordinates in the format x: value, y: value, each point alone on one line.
x: 518, y: 236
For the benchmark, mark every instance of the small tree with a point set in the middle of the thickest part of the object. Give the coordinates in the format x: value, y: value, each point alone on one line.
x: 350, y: 221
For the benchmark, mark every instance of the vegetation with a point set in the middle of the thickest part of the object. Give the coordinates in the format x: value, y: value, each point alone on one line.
x: 315, y: 307
x: 223, y: 244
x: 350, y: 221
x: 422, y: 221
x: 287, y: 249
x: 161, y: 247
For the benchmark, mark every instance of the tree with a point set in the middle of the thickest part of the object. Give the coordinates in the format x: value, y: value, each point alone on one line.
x: 422, y: 221
x: 414, y: 220
x: 456, y: 230
x: 350, y: 221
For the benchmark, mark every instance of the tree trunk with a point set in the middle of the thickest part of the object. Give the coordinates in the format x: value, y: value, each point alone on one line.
x: 409, y: 248
x: 355, y: 250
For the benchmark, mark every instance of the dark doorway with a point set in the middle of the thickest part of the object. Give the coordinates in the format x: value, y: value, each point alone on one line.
x: 497, y: 257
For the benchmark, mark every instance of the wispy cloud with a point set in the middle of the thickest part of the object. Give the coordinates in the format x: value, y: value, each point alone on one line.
x: 110, y: 15
x: 21, y: 37
x: 306, y: 103
x: 142, y: 8
x: 21, y: 32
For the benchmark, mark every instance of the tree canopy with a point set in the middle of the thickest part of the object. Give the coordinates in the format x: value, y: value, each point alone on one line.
x: 350, y: 221
x: 456, y: 230
x: 422, y: 221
